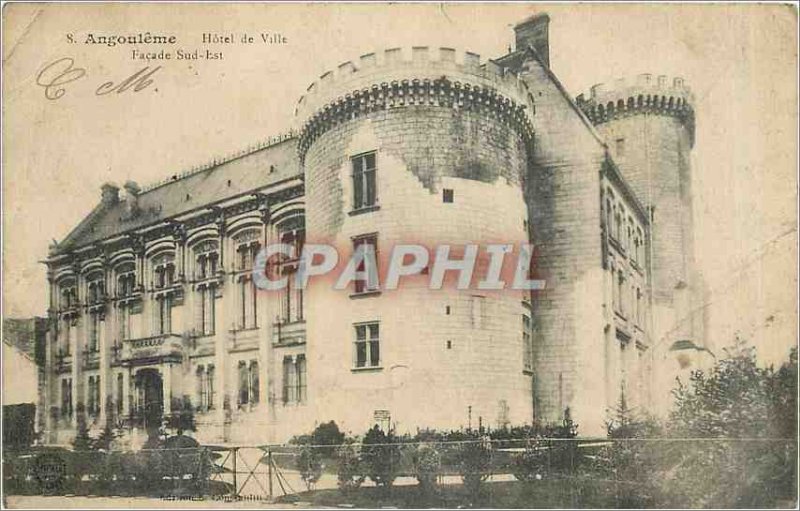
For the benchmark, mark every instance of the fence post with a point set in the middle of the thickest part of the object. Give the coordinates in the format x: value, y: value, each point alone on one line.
x: 235, y: 483
x: 269, y: 470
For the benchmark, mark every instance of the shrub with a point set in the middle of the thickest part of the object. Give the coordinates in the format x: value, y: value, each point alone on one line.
x: 182, y: 416
x: 350, y: 471
x: 381, y: 456
x: 474, y: 462
x: 427, y: 466
x: 531, y: 464
x: 309, y: 466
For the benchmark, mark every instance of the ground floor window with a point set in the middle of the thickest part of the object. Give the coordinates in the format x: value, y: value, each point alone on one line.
x: 294, y: 379
x: 367, y: 345
x: 248, y: 382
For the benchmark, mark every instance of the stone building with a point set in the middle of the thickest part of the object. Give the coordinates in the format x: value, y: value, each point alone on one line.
x: 154, y: 305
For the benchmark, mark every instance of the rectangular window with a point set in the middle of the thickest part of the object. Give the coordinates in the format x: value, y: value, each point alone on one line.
x: 527, y: 343
x: 620, y: 147
x: 210, y: 386
x: 364, y: 185
x: 94, y: 331
x: 124, y: 321
x: 163, y: 315
x: 120, y: 393
x: 447, y: 195
x: 367, y: 345
x: 288, y: 380
x: 300, y: 367
x: 370, y: 244
x: 244, y: 384
x: 255, y: 392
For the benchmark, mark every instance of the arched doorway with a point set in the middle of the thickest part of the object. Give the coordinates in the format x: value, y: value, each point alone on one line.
x: 150, y: 397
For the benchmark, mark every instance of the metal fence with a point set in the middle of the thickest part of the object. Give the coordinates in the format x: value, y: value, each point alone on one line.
x: 555, y: 472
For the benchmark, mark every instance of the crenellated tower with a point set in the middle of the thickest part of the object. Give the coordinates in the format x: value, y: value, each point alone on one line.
x: 648, y: 125
x: 427, y: 146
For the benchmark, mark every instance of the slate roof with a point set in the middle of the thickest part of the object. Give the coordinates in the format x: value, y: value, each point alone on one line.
x: 226, y: 179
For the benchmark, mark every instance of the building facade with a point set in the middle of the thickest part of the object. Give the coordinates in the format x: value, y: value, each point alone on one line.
x: 154, y: 306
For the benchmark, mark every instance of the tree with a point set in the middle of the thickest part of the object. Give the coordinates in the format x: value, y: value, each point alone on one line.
x: 327, y: 434
x: 350, y: 467
x: 82, y: 440
x: 633, y: 458
x: 427, y: 467
x: 309, y: 466
x: 740, y: 413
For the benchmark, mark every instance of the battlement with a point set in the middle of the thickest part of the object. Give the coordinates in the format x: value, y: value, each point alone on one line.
x: 655, y: 94
x: 397, y: 64
x: 647, y: 93
x: 418, y: 76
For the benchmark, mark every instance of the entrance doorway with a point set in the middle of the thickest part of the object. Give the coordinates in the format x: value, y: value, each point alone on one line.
x: 150, y: 397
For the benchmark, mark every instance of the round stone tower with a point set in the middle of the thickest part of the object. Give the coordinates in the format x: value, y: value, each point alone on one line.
x: 648, y: 125
x: 424, y: 147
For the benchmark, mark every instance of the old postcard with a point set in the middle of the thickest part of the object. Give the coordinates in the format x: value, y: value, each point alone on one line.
x: 399, y: 255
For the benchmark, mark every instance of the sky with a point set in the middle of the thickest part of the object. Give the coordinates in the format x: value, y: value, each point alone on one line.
x: 740, y: 61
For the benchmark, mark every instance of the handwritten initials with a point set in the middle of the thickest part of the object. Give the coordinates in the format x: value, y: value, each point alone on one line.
x: 56, y: 75
x: 53, y: 88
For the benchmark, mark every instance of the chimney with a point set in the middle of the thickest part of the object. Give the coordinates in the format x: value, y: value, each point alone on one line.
x: 534, y: 32
x: 109, y: 194
x: 131, y: 197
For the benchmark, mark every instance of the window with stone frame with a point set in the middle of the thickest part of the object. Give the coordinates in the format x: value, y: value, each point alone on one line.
x: 206, y: 261
x: 291, y: 232
x: 163, y: 270
x: 248, y: 383
x: 289, y: 374
x: 65, y: 337
x: 94, y: 327
x: 614, y: 288
x: 621, y: 308
x: 162, y: 313
x: 294, y: 379
x: 66, y: 398
x: 527, y: 343
x: 366, y: 346
x: 369, y: 244
x: 365, y: 190
x: 300, y: 369
x: 125, y: 288
x: 247, y: 247
x: 68, y: 295
x: 210, y: 392
x: 93, y: 396
x: 120, y: 393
